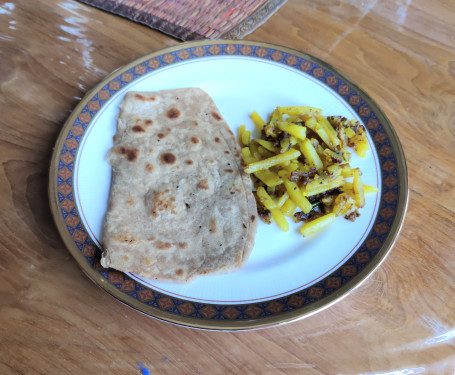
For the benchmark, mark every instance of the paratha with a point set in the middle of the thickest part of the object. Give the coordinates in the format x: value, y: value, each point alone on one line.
x: 180, y: 204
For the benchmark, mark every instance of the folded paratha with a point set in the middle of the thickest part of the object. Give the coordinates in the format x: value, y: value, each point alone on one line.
x: 180, y: 204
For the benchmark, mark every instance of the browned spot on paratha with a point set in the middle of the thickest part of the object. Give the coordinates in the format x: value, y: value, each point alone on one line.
x: 212, y: 227
x: 216, y: 116
x: 138, y: 129
x: 149, y: 167
x: 144, y: 98
x: 204, y: 184
x: 162, y: 202
x: 229, y: 170
x: 173, y: 113
x: 127, y: 238
x: 179, y: 272
x: 217, y: 139
x: 182, y: 245
x: 189, y: 162
x: 130, y: 153
x: 168, y: 158
x: 195, y: 140
x: 163, y: 245
x: 148, y: 122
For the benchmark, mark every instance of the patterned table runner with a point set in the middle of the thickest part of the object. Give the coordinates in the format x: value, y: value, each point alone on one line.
x: 195, y: 19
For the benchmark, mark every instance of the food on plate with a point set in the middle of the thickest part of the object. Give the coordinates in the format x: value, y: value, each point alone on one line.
x: 301, y: 167
x: 180, y: 203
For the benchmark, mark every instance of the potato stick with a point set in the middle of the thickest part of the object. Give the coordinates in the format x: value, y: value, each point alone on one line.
x: 291, y: 167
x: 246, y: 137
x: 319, y: 186
x: 265, y: 153
x: 247, y: 157
x: 367, y: 189
x: 269, y: 178
x: 305, y: 117
x: 349, y: 132
x: 283, y: 165
x: 317, y: 224
x: 334, y: 170
x: 321, y: 131
x: 346, y: 155
x: 326, y: 124
x: 294, y: 193
x: 285, y: 144
x: 320, y: 151
x: 269, y: 204
x: 288, y: 207
x: 361, y: 148
x: 254, y: 150
x: 315, y: 143
x: 270, y: 162
x: 257, y: 120
x: 328, y: 200
x: 332, y: 157
x: 299, y: 110
x: 347, y: 171
x: 329, y: 128
x: 275, y: 117
x: 343, y: 204
x: 293, y: 129
x: 282, y: 199
x: 357, y: 188
x: 267, y: 145
x: 241, y: 131
x: 294, y: 119
x: 310, y: 154
x: 294, y: 140
x: 343, y: 137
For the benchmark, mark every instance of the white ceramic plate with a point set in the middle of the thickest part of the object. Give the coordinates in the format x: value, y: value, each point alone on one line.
x: 240, y: 78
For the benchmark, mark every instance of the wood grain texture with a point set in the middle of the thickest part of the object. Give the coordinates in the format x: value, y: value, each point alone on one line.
x: 54, y: 320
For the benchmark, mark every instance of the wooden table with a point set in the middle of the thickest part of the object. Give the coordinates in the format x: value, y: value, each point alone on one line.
x: 54, y: 320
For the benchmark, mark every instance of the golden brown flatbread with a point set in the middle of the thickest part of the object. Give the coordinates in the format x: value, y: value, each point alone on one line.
x: 180, y: 204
